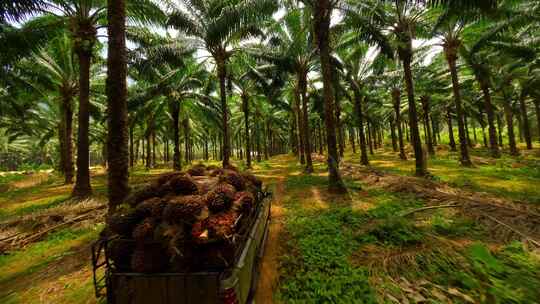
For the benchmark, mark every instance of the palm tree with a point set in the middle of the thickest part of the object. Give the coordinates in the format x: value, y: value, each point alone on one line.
x: 83, y: 18
x: 449, y: 27
x: 170, y: 87
x: 401, y: 19
x: 245, y: 75
x: 322, y: 11
x: 217, y: 26
x: 451, y: 43
x: 357, y: 68
x: 117, y: 139
x: 290, y: 47
x: 61, y: 72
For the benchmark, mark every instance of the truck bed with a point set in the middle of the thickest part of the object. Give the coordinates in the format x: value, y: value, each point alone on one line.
x: 190, y: 287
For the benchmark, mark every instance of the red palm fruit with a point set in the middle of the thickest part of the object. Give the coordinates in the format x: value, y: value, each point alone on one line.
x: 182, y: 184
x: 252, y: 179
x: 243, y: 201
x: 197, y: 170
x: 151, y: 208
x: 220, y: 198
x: 233, y: 178
x: 184, y: 209
x: 221, y: 226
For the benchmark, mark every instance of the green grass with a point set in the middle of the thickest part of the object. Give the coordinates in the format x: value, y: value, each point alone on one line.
x: 39, y: 205
x: 22, y: 192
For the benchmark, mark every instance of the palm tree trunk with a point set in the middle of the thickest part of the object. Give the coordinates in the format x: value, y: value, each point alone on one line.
x: 185, y: 126
x: 499, y: 130
x: 293, y: 135
x: 360, y: 121
x: 321, y: 29
x: 352, y: 140
x: 299, y: 126
x: 407, y: 129
x: 467, y: 133
x: 67, y: 138
x: 117, y: 140
x: 136, y: 155
x: 302, y: 86
x: 224, y: 113
x: 175, y: 113
x: 104, y: 155
x: 452, y: 141
x: 206, y: 148
x: 396, y: 98
x: 143, y: 155
x: 153, y: 147
x: 393, y: 134
x: 451, y: 56
x: 148, y: 153
x: 510, y: 126
x: 474, y: 131
x: 258, y: 137
x: 421, y: 166
x: 488, y: 106
x: 266, y: 133
x: 82, y: 185
x: 166, y: 150
x: 519, y: 124
x: 369, y: 139
x: 434, y: 130
x: 525, y: 121
x: 425, y: 105
x: 339, y: 128
x: 245, y: 108
x: 484, y: 136
x: 320, y: 138
x: 62, y: 144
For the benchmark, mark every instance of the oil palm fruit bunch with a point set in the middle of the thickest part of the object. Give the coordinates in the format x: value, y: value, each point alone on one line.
x: 183, y: 221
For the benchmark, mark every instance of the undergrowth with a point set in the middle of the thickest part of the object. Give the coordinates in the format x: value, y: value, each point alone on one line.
x: 341, y: 255
x: 316, y: 269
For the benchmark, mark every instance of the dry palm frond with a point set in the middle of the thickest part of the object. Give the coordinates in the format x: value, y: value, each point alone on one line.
x: 398, y: 260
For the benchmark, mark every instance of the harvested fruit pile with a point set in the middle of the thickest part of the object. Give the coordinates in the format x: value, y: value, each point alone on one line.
x: 184, y: 221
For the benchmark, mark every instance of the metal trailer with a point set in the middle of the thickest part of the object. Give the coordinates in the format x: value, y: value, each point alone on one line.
x: 233, y: 285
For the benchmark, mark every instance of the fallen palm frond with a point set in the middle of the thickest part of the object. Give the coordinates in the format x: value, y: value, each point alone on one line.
x: 417, y: 291
x: 394, y: 261
x: 428, y: 208
x: 506, y: 220
x: 31, y: 228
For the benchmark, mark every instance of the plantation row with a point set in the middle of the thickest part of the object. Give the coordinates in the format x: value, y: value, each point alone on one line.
x: 252, y: 79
